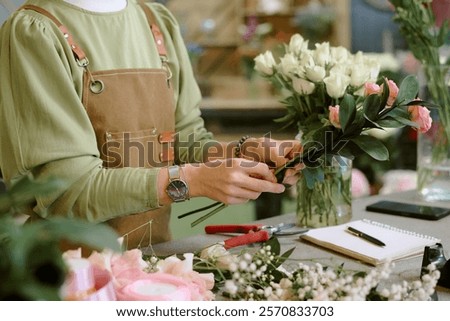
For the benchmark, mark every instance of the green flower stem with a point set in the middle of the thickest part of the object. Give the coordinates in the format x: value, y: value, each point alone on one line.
x: 328, y: 202
x: 209, y: 214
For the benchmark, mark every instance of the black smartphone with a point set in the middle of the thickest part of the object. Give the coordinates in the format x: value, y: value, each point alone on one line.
x: 423, y: 212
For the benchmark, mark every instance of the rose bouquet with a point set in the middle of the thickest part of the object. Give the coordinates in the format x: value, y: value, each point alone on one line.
x: 335, y: 98
x: 329, y: 90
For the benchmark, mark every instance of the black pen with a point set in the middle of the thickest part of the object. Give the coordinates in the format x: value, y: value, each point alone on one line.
x: 365, y: 236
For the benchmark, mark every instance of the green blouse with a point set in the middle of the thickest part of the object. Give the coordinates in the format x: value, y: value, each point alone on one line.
x: 44, y: 129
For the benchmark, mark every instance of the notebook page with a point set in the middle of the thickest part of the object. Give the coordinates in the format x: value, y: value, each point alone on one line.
x: 399, y: 243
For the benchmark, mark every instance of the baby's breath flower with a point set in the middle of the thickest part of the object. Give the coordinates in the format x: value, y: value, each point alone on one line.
x: 251, y: 276
x: 243, y: 265
x: 233, y: 267
x: 230, y: 287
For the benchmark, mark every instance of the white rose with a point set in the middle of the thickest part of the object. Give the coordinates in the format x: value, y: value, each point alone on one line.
x: 303, y: 86
x: 336, y: 84
x: 289, y: 65
x: 322, y: 54
x: 218, y: 253
x: 297, y: 44
x: 359, y: 75
x: 307, y: 59
x: 342, y: 69
x: 339, y: 55
x: 265, y: 63
x: 315, y: 73
x: 358, y: 58
x: 374, y: 66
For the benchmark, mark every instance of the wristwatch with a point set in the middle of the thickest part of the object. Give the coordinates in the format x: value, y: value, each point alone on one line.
x: 177, y: 189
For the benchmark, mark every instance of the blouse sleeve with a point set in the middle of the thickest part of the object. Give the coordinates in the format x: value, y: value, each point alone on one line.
x: 45, y: 131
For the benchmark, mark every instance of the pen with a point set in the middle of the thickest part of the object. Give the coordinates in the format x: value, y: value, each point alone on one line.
x: 365, y: 236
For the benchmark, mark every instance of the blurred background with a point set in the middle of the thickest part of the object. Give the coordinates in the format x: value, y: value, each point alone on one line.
x: 224, y: 36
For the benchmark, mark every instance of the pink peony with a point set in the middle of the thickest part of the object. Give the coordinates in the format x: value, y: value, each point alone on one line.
x: 334, y: 116
x: 421, y: 116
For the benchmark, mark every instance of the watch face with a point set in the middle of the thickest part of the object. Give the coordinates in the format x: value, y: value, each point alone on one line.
x: 177, y: 190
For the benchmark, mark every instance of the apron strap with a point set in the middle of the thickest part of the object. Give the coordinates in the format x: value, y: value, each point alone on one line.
x: 157, y: 34
x: 77, y: 51
x: 159, y: 39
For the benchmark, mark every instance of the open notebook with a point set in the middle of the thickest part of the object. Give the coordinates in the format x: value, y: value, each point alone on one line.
x: 400, y: 243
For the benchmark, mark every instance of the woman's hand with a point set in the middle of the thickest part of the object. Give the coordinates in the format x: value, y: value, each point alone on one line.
x: 275, y: 153
x: 231, y: 181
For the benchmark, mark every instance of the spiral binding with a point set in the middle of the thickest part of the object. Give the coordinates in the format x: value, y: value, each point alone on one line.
x: 396, y: 229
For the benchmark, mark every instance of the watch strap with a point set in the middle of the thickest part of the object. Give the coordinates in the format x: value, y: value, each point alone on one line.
x: 174, y: 172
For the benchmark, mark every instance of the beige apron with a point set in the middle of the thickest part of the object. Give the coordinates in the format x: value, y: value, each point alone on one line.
x: 132, y: 112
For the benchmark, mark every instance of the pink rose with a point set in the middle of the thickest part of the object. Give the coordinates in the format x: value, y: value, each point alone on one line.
x: 131, y: 259
x: 334, y: 116
x: 200, y: 283
x: 129, y: 279
x: 371, y: 88
x: 155, y: 287
x: 393, y: 92
x: 123, y: 267
x: 86, y: 280
x: 421, y: 116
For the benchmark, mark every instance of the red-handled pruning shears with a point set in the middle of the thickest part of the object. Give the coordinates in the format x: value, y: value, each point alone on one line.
x: 252, y: 233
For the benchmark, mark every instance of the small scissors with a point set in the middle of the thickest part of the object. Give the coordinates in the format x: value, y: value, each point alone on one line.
x: 252, y: 232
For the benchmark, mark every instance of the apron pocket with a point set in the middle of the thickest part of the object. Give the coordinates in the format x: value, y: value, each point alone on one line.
x: 142, y: 148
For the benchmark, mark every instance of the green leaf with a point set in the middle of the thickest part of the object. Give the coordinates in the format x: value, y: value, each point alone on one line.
x: 422, y: 103
x: 313, y: 175
x: 311, y: 154
x: 281, y: 259
x: 390, y: 122
x: 443, y: 33
x: 350, y: 150
x: 274, y: 244
x: 25, y: 191
x: 408, y: 90
x: 347, y: 111
x: 372, y: 106
x: 36, y: 292
x: 385, y: 95
x: 372, y: 146
x: 371, y: 123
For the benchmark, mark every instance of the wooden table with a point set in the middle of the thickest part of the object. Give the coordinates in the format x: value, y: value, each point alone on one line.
x: 408, y: 269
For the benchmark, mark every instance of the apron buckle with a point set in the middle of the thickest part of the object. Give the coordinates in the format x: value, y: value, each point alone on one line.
x: 165, y: 66
x: 83, y: 62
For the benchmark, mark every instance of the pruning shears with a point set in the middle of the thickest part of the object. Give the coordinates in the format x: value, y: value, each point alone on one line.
x: 251, y: 233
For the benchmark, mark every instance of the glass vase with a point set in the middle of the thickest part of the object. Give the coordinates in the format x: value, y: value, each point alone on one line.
x: 329, y: 201
x: 433, y: 163
x: 433, y: 147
